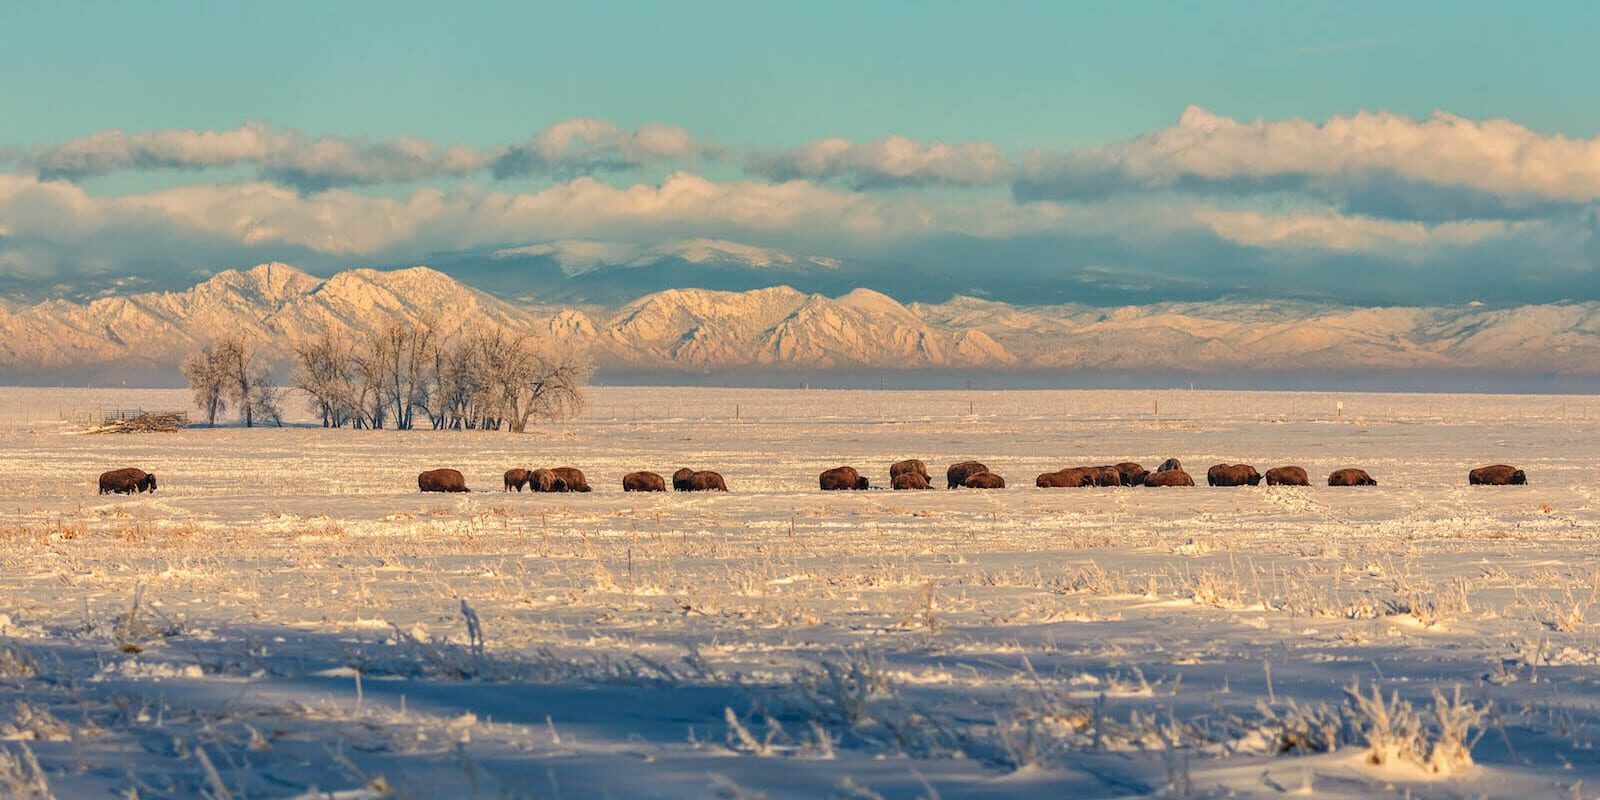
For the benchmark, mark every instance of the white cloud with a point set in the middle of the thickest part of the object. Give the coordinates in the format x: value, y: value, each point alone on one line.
x: 585, y: 146
x: 1352, y: 234
x: 1348, y: 156
x: 566, y: 149
x: 890, y: 161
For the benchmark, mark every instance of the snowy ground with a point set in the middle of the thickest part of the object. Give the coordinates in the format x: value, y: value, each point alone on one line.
x: 288, y: 616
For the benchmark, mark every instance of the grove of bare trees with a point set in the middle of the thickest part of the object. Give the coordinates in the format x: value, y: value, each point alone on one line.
x: 491, y: 379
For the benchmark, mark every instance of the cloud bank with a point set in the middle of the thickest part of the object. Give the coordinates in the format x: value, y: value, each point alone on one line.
x: 1369, y: 207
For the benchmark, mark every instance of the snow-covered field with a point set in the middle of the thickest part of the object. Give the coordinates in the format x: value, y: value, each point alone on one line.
x: 287, y: 616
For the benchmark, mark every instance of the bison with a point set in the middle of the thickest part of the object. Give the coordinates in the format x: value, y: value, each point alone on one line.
x: 1497, y: 475
x: 957, y: 474
x: 703, y: 480
x: 984, y: 480
x: 1106, y: 476
x: 1168, y: 477
x: 911, y: 465
x: 1170, y: 465
x: 1288, y: 476
x: 1132, y: 474
x: 126, y: 481
x: 840, y: 478
x: 543, y: 480
x: 441, y: 480
x: 1233, y: 475
x: 909, y: 480
x: 517, y: 478
x: 573, y: 478
x: 1069, y: 478
x: 680, y: 479
x: 1351, y: 477
x: 643, y: 482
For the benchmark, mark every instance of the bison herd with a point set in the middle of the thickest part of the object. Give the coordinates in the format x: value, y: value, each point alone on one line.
x: 910, y: 474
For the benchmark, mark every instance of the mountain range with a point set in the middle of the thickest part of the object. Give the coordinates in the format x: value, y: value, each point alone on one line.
x: 777, y: 327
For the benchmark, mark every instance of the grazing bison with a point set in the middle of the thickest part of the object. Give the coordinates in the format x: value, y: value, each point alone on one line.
x: 126, y: 481
x: 984, y: 480
x: 643, y: 482
x: 1168, y: 477
x: 1497, y: 475
x: 704, y: 480
x: 1132, y: 474
x: 1170, y: 465
x: 1233, y: 475
x: 517, y: 478
x: 441, y: 480
x: 543, y: 480
x: 1288, y: 476
x: 957, y: 474
x: 1069, y: 478
x: 680, y: 479
x: 911, y: 465
x: 573, y: 477
x: 840, y: 478
x: 1351, y: 477
x: 909, y: 480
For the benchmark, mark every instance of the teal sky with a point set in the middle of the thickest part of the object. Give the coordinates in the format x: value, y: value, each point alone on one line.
x: 1357, y: 152
x: 1018, y: 74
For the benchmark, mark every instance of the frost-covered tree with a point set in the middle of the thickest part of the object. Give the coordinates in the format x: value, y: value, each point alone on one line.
x: 228, y: 372
x: 324, y: 370
x: 207, y: 375
x: 491, y: 379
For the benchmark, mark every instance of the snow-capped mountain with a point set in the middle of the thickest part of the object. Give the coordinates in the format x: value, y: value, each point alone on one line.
x: 614, y: 273
x: 779, y: 327
x: 578, y: 256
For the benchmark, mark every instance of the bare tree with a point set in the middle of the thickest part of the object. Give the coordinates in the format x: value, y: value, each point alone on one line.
x: 206, y: 375
x: 248, y: 381
x: 324, y: 371
x: 405, y: 356
x: 525, y: 381
x: 232, y: 372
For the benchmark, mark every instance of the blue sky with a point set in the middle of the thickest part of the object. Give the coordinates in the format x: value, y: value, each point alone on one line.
x: 748, y: 83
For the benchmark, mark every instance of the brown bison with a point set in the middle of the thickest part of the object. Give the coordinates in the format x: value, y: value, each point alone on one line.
x: 1288, y: 476
x: 909, y: 480
x: 643, y: 482
x: 1233, y: 475
x: 680, y: 479
x: 912, y: 465
x: 840, y: 478
x: 1132, y: 474
x: 984, y: 480
x: 1069, y: 478
x: 544, y: 480
x: 1169, y: 465
x: 126, y: 481
x: 1168, y: 477
x: 573, y: 477
x: 517, y: 478
x: 704, y: 480
x: 1106, y: 476
x: 441, y: 480
x: 1351, y: 477
x: 957, y: 474
x: 1497, y: 475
